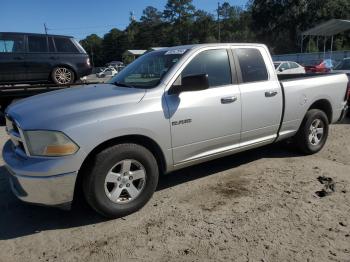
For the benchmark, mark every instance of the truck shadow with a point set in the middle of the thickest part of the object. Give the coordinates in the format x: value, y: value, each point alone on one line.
x: 18, y: 219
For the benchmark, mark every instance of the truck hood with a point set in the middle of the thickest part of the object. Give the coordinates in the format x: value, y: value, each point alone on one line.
x: 54, y: 110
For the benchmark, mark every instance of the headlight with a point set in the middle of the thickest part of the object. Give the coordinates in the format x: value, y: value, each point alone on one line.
x: 49, y: 143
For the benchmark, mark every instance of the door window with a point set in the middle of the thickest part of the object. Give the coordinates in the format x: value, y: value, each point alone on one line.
x: 65, y: 45
x: 37, y: 44
x: 293, y: 65
x: 215, y: 63
x: 11, y: 43
x: 252, y: 65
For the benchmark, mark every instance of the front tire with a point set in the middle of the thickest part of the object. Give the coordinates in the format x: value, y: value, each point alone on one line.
x: 121, y: 180
x: 62, y: 76
x: 313, y: 132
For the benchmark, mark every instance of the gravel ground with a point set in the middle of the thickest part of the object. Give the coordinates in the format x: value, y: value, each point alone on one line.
x: 261, y: 205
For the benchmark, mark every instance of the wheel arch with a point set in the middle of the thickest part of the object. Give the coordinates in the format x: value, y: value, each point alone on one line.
x: 325, y: 106
x: 142, y: 140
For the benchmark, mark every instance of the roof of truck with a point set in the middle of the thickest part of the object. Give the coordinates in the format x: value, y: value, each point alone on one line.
x: 210, y: 45
x: 38, y: 34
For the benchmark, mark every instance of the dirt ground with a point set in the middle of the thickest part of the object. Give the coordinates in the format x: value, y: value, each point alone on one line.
x: 261, y: 205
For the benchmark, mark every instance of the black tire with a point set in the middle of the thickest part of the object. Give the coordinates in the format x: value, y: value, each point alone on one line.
x: 94, y: 180
x: 303, y: 136
x: 64, y: 72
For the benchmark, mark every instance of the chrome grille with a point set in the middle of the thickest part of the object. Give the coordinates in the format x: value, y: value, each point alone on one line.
x: 16, y: 135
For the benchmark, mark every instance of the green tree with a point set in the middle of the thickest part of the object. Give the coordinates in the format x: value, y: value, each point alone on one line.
x: 229, y: 24
x: 203, y: 28
x: 179, y: 13
x: 279, y: 23
x: 178, y: 10
x: 151, y: 15
x: 113, y: 45
x: 93, y: 46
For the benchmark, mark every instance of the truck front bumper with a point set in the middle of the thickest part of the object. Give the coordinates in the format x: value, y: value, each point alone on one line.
x: 31, y: 182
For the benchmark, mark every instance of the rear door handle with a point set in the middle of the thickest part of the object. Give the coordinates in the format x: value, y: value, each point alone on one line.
x: 228, y: 100
x: 18, y: 58
x: 270, y: 93
x: 53, y: 57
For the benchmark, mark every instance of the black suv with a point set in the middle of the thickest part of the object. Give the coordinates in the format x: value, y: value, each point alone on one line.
x: 27, y: 57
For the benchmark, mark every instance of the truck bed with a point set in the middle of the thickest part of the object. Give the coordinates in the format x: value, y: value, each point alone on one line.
x: 286, y: 77
x: 300, y: 92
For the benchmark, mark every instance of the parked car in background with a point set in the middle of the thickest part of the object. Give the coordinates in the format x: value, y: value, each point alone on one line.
x: 343, y: 66
x: 288, y: 67
x: 195, y: 105
x: 109, y: 72
x: 115, y: 64
x: 320, y: 66
x: 28, y: 58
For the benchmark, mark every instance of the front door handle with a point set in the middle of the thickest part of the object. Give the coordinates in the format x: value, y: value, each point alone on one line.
x: 18, y: 57
x: 270, y: 93
x: 228, y: 100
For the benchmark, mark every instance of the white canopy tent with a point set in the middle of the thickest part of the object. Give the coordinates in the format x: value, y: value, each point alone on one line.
x: 327, y: 29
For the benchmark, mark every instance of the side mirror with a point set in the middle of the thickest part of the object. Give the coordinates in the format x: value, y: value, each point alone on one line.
x: 190, y: 83
x: 281, y: 69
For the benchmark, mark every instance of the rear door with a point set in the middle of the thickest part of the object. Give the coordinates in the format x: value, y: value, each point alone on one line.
x: 206, y: 122
x: 261, y: 95
x: 12, y: 58
x: 39, y: 60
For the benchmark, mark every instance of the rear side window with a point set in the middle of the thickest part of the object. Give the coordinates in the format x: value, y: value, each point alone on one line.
x: 252, y: 65
x: 65, y: 45
x: 37, y: 44
x: 284, y: 66
x: 293, y: 65
x: 11, y: 43
x: 215, y: 63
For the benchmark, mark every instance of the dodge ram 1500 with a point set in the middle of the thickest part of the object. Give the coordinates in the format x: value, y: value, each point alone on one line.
x: 169, y: 109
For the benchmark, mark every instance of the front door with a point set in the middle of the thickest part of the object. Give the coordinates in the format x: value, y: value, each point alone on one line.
x: 206, y: 122
x: 12, y: 58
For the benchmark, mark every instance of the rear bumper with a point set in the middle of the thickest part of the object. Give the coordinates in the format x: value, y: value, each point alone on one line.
x: 38, y: 181
x: 344, y: 113
x: 84, y: 71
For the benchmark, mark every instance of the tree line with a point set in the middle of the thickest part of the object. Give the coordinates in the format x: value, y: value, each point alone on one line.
x: 276, y: 23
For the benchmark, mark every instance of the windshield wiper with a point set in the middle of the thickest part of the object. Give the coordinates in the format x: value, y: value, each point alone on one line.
x: 123, y: 84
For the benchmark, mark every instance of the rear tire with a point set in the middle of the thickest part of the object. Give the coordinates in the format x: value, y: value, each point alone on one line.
x: 121, y: 180
x: 62, y: 75
x: 313, y: 132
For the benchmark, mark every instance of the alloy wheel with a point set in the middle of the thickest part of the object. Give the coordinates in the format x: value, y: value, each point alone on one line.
x: 316, y: 132
x: 125, y: 181
x: 63, y: 75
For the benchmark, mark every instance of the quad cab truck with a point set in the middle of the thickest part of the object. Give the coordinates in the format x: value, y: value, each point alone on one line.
x: 169, y: 109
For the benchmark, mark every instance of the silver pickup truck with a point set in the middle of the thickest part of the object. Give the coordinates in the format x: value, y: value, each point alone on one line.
x: 169, y: 109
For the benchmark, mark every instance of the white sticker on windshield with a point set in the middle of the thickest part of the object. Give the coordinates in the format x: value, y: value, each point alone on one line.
x: 176, y: 52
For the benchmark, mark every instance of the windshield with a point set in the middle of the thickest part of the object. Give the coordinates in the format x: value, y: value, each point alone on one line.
x: 148, y: 70
x: 276, y: 65
x: 343, y: 65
